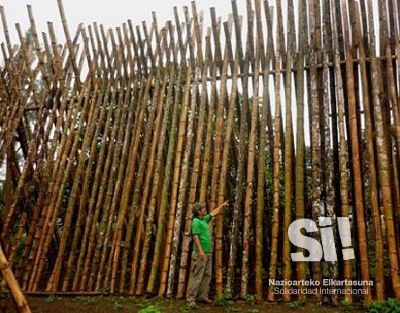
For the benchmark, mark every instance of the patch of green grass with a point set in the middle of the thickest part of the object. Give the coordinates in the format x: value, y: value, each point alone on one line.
x: 346, y: 306
x: 185, y: 309
x: 253, y: 311
x: 390, y: 305
x: 118, y: 305
x: 295, y: 304
x: 53, y: 298
x: 222, y: 300
x: 151, y: 309
x: 82, y: 299
x: 251, y: 299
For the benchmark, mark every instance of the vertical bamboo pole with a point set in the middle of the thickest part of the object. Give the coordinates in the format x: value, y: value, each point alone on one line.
x: 356, y: 157
x: 195, y: 174
x: 300, y: 146
x: 369, y: 129
x: 343, y: 148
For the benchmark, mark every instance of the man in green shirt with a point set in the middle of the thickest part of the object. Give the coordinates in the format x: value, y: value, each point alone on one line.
x: 200, y: 273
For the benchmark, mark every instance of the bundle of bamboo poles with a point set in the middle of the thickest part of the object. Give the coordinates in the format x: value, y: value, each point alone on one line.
x: 109, y: 138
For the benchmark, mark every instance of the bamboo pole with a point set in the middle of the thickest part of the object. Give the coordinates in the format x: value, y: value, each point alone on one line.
x: 356, y: 159
x: 379, y: 276
x: 195, y: 175
x: 343, y: 146
x: 175, y: 182
x: 276, y: 179
x: 300, y: 146
x: 240, y: 176
x: 12, y: 283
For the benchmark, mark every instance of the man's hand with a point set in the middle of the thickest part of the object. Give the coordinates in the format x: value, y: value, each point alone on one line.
x: 199, y: 247
x: 202, y: 255
x: 218, y: 210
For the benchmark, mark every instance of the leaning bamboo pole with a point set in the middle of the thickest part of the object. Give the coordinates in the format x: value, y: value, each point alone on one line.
x: 240, y: 173
x: 166, y: 183
x: 45, y: 168
x: 12, y: 284
x: 151, y: 163
x: 216, y: 168
x: 53, y: 208
x: 225, y: 154
x: 175, y: 181
x: 98, y: 228
x: 84, y: 200
x: 158, y: 249
x: 93, y: 210
x: 112, y: 192
x: 121, y: 175
x: 54, y: 279
x: 126, y: 192
x: 157, y: 183
x: 182, y: 187
x: 195, y: 175
x: 139, y: 207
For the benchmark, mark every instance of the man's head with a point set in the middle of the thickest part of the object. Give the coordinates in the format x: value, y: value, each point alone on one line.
x: 199, y: 209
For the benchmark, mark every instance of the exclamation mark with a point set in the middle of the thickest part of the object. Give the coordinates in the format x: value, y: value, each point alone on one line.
x: 345, y: 237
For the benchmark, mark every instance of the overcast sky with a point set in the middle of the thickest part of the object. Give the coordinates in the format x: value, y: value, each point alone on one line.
x: 110, y: 13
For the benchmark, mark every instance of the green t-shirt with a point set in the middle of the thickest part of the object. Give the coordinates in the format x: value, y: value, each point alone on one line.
x: 201, y: 228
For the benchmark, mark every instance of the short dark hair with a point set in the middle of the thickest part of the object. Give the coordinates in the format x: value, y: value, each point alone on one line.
x: 197, y: 207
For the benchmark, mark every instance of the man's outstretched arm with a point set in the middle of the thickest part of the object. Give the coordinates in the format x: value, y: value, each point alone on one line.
x: 218, y: 210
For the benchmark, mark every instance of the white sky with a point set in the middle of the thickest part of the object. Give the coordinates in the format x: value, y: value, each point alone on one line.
x: 114, y: 13
x: 110, y: 13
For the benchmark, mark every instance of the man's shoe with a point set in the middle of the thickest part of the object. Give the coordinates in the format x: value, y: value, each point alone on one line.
x: 192, y: 304
x: 206, y: 300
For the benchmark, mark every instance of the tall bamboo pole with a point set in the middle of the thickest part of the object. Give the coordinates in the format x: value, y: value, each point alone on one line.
x: 175, y: 181
x: 356, y: 158
x: 195, y: 174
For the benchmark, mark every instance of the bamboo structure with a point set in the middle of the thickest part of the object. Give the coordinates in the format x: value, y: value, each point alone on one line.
x: 108, y: 138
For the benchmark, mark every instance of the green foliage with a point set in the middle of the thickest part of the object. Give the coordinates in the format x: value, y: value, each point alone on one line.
x: 223, y: 300
x: 186, y: 309
x: 346, y: 306
x: 151, y: 309
x: 391, y: 305
x: 253, y: 311
x: 82, y: 299
x: 295, y: 304
x: 118, y: 305
x: 53, y: 298
x: 251, y: 299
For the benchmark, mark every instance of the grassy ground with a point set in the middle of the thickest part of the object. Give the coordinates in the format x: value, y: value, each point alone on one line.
x: 55, y: 304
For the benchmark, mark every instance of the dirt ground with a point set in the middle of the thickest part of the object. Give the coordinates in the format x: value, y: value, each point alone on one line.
x: 100, y: 304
